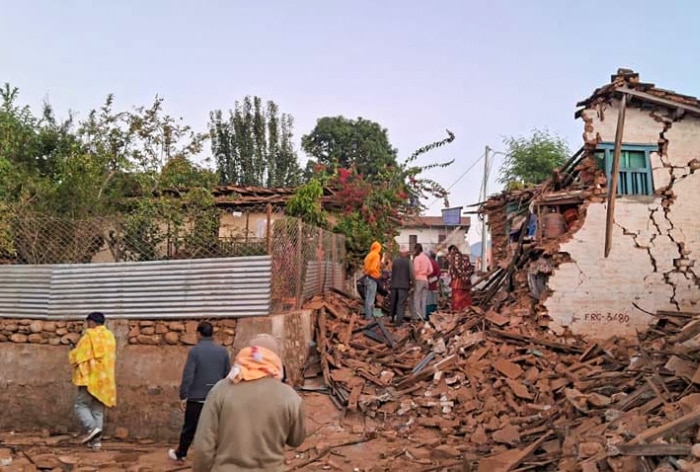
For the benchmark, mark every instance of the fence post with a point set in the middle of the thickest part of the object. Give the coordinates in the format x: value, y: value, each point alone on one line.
x: 268, y: 231
x: 300, y: 263
x: 334, y: 256
x: 321, y: 263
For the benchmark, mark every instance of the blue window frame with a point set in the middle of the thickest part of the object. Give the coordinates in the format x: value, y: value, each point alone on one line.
x: 635, y: 167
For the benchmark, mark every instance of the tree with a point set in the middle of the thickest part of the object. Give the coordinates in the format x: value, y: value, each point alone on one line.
x: 339, y: 142
x: 531, y: 160
x: 371, y: 208
x: 253, y: 146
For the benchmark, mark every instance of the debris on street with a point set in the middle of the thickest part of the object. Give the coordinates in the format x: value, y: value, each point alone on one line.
x: 498, y: 387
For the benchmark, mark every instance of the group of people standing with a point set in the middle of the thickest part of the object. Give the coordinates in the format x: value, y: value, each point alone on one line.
x: 419, y: 272
x: 239, y: 417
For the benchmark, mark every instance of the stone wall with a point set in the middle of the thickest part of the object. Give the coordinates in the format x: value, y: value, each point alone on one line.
x: 177, y: 333
x: 54, y: 333
x: 146, y: 332
x: 656, y: 239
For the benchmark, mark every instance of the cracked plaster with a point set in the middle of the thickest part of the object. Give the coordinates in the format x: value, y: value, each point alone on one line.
x: 655, y: 239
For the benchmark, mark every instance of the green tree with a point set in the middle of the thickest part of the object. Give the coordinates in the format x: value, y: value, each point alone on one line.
x: 253, y: 145
x: 339, y: 142
x: 531, y: 160
x: 369, y: 208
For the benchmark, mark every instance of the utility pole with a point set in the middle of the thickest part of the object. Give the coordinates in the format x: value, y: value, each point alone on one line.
x: 484, y: 237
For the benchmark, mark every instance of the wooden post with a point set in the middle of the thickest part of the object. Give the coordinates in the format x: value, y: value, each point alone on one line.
x: 300, y: 263
x: 334, y: 259
x: 614, y: 175
x: 321, y: 263
x: 247, y: 227
x: 268, y: 231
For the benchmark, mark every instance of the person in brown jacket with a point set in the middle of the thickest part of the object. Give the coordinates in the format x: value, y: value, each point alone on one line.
x: 250, y: 416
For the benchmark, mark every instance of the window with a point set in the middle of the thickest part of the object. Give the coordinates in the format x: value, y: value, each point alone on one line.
x: 635, y: 169
x: 412, y: 241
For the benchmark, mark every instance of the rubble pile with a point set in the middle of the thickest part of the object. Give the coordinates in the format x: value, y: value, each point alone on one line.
x: 498, y: 387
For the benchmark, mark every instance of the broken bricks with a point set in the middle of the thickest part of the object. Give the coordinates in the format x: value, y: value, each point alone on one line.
x: 513, y: 393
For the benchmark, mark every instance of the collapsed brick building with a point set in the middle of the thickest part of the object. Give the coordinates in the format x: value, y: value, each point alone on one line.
x: 550, y: 241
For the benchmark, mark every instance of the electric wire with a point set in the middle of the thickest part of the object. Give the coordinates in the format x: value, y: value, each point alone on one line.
x: 458, y: 179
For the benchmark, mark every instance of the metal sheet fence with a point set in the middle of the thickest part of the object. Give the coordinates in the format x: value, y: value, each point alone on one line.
x: 227, y: 287
x: 306, y: 261
x: 55, y: 267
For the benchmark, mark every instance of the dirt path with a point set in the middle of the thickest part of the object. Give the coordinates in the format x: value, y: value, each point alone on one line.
x: 333, y: 443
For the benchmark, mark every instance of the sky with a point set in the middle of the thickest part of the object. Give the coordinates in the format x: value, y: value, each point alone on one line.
x: 485, y: 70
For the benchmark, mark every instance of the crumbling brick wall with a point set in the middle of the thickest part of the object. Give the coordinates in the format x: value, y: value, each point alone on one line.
x: 655, y: 239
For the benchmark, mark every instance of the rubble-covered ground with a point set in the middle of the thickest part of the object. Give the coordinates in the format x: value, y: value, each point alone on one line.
x: 335, y: 442
x: 479, y: 390
x: 501, y: 390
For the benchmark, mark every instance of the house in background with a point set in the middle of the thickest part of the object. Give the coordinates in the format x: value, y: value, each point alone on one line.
x: 431, y: 231
x: 602, y: 274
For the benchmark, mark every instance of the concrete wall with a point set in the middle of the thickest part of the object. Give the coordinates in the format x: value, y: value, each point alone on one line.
x: 36, y: 390
x: 35, y: 379
x: 234, y: 224
x: 655, y: 239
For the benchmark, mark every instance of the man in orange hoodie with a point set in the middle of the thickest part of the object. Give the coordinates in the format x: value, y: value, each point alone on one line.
x: 372, y: 270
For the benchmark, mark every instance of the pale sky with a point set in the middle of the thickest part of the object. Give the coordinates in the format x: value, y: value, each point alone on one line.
x: 482, y: 69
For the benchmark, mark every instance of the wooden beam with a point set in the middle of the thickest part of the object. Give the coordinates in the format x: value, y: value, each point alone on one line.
x: 654, y: 449
x: 684, y: 422
x: 658, y: 100
x: 614, y: 175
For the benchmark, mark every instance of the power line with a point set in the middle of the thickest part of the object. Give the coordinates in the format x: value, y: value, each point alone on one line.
x: 459, y: 178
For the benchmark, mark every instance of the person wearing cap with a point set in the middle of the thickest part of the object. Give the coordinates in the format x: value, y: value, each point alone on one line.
x: 207, y: 363
x: 93, y: 360
x: 401, y: 279
x: 251, y: 415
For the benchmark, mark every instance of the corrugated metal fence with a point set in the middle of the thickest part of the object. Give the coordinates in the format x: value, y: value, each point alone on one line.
x: 320, y: 276
x: 192, y: 288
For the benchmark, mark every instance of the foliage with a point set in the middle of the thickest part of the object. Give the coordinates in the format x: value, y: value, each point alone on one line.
x: 373, y: 208
x: 531, y: 160
x: 341, y: 143
x: 306, y: 203
x: 110, y: 162
x: 137, y: 168
x: 253, y: 146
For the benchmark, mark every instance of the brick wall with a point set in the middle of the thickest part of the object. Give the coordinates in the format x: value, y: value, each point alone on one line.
x: 655, y: 239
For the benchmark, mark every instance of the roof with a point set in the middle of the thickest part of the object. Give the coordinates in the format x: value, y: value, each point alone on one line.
x: 627, y: 81
x: 433, y: 221
x: 233, y: 196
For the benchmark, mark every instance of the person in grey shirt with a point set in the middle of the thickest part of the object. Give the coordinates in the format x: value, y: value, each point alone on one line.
x: 207, y: 363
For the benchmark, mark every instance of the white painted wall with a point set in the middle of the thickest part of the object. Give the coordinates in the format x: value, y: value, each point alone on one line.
x: 594, y: 295
x: 429, y: 237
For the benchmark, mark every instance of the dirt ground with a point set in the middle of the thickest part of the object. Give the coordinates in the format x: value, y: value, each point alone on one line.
x: 334, y: 442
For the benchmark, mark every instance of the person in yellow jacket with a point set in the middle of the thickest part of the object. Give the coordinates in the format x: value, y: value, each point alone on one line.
x: 93, y: 360
x: 372, y: 270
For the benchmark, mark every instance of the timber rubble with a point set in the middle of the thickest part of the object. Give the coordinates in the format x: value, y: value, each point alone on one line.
x: 495, y: 391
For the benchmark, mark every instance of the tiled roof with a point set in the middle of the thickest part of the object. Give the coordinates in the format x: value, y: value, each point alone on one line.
x: 627, y: 81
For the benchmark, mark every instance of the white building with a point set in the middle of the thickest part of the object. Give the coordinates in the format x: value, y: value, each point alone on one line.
x: 431, y: 231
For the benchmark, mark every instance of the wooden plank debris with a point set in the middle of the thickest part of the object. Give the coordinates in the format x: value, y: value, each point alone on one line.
x: 495, y: 384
